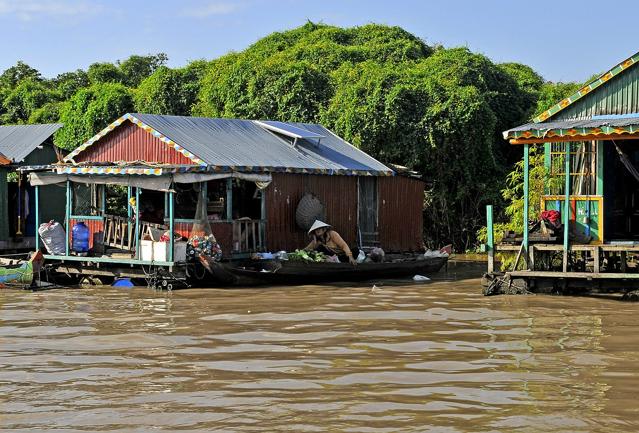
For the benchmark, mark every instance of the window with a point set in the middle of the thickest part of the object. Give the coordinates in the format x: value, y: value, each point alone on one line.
x: 86, y: 199
x: 583, y: 168
x: 216, y: 193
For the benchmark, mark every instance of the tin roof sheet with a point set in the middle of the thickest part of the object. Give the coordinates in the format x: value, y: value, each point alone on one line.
x: 18, y: 141
x: 245, y: 145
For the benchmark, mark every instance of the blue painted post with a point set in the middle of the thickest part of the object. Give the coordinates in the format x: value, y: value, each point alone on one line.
x: 566, y: 212
x: 171, y: 228
x: 37, y: 217
x: 67, y: 218
x: 490, y: 238
x: 263, y: 218
x: 526, y: 199
x: 137, y: 223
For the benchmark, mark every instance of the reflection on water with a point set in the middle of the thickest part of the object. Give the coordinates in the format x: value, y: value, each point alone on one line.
x: 397, y: 357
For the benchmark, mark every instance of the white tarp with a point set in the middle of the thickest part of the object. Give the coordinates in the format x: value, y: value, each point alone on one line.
x: 156, y: 183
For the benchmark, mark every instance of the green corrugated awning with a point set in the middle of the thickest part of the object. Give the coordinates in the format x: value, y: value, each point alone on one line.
x: 579, y: 128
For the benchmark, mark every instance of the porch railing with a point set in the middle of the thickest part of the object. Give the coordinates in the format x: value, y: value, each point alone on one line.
x: 247, y: 235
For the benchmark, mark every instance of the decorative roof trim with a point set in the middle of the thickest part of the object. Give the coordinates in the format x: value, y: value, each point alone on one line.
x: 605, y: 77
x: 573, y: 132
x: 140, y: 124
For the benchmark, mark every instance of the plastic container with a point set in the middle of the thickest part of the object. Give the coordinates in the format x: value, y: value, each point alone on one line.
x: 80, y: 238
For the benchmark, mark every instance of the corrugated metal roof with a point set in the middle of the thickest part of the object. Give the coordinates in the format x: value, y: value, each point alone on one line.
x: 576, y: 127
x: 18, y: 141
x: 244, y: 143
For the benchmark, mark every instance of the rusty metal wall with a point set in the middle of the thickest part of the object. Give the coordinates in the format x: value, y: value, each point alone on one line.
x: 337, y: 193
x: 401, y: 217
x: 131, y: 143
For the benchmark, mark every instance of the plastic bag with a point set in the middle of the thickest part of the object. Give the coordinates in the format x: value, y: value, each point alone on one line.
x: 53, y: 237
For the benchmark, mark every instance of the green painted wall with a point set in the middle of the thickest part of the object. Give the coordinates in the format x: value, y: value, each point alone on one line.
x: 620, y: 95
x: 587, y: 217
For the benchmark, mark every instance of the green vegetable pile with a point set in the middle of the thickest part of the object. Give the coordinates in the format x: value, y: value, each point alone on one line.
x: 306, y: 256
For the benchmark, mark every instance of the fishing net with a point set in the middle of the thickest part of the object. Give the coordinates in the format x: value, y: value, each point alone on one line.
x: 202, y: 244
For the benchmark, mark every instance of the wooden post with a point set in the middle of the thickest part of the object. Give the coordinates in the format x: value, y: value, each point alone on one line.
x: 67, y: 218
x: 526, y: 200
x: 566, y: 207
x: 37, y: 216
x: 490, y: 238
x: 229, y: 199
x: 171, y: 226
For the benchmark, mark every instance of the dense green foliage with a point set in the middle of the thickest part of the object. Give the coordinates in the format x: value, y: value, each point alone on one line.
x: 90, y: 110
x: 435, y: 110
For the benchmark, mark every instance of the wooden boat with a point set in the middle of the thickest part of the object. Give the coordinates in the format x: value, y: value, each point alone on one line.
x: 19, y: 272
x: 295, y: 272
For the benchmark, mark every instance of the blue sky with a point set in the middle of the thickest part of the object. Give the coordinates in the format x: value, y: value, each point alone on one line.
x: 564, y: 40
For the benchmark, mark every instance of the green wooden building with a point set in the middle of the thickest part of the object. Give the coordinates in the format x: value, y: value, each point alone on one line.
x: 25, y: 145
x: 593, y: 136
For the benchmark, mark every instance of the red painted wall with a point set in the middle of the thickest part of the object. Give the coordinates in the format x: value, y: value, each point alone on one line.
x: 130, y: 143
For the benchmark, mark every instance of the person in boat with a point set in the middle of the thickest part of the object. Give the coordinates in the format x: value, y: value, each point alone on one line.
x: 328, y: 241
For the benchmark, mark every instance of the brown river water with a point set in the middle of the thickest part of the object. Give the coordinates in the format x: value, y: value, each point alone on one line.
x: 397, y: 357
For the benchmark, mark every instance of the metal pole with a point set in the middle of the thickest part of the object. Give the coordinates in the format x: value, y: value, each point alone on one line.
x: 566, y: 212
x: 37, y: 217
x: 490, y: 238
x: 526, y: 198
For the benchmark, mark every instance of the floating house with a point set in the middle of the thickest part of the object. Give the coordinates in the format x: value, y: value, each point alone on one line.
x: 244, y: 178
x: 25, y: 145
x: 591, y: 147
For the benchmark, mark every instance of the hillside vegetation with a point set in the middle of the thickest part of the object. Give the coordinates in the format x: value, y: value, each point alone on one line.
x: 439, y: 111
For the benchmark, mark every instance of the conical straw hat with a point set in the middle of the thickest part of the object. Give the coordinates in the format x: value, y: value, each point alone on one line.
x: 317, y: 225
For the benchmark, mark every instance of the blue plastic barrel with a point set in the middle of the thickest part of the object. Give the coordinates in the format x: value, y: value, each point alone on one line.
x: 80, y: 238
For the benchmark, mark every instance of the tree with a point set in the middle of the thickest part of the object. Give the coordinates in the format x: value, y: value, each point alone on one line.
x: 15, y: 74
x: 170, y: 91
x: 90, y: 110
x: 137, y: 68
x: 48, y: 113
x: 105, y: 73
x: 24, y: 99
x: 68, y: 83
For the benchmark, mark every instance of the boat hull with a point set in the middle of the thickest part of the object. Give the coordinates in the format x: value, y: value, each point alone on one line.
x: 286, y: 272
